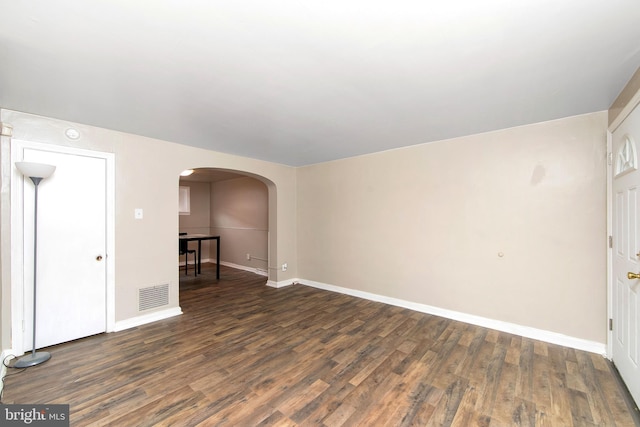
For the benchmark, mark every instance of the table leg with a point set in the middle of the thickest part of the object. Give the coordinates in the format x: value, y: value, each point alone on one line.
x: 218, y: 258
x: 199, y: 266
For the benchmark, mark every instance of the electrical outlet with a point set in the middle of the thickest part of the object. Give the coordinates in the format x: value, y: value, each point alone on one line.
x: 284, y: 267
x: 248, y: 257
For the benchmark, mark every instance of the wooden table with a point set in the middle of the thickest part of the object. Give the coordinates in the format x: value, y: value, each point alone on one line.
x: 199, y: 238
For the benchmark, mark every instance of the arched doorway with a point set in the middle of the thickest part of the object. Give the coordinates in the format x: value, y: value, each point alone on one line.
x: 238, y: 206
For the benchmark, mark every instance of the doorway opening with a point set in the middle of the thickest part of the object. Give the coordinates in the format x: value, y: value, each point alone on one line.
x: 237, y: 206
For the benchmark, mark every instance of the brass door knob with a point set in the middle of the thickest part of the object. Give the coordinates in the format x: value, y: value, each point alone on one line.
x: 632, y: 276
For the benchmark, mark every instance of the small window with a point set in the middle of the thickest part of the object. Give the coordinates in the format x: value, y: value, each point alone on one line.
x: 627, y: 159
x: 184, y: 203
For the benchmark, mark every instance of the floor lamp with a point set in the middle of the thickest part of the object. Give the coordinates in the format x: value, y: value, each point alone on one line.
x: 37, y: 172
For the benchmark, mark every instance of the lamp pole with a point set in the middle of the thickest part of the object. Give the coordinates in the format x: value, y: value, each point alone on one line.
x: 36, y: 172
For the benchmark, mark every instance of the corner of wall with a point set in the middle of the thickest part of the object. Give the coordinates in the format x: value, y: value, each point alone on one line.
x: 3, y: 369
x: 282, y: 283
x: 626, y: 101
x: 6, y: 131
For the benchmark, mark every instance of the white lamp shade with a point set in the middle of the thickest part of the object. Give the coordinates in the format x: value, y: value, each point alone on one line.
x: 35, y: 170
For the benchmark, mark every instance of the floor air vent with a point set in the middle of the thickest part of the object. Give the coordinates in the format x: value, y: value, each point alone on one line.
x: 152, y: 297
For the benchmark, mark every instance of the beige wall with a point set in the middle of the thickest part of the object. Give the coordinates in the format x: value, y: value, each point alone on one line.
x: 197, y: 221
x: 423, y: 224
x: 240, y: 216
x: 147, y: 177
x: 199, y: 216
x: 427, y: 224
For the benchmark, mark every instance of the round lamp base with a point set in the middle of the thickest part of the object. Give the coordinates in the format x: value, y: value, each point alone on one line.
x: 32, y: 359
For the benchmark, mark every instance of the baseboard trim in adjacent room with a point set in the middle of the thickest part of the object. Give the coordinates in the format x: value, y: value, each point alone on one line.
x: 242, y: 267
x: 147, y: 318
x: 524, y: 331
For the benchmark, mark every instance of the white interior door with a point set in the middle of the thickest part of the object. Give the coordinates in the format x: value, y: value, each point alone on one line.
x: 626, y: 253
x: 71, y: 277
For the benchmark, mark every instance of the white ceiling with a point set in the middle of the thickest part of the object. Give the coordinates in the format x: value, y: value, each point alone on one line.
x: 300, y: 82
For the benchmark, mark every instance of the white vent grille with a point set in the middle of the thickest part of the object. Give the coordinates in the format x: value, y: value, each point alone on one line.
x: 152, y: 297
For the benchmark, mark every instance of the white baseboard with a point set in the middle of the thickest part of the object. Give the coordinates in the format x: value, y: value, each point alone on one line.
x: 282, y: 283
x: 512, y: 328
x: 241, y: 267
x: 146, y: 318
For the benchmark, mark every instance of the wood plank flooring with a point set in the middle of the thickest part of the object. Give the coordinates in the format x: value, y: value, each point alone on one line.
x: 244, y: 354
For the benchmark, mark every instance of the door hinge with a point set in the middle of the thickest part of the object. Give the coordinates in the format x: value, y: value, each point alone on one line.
x: 611, y: 324
x: 609, y: 158
x: 611, y: 241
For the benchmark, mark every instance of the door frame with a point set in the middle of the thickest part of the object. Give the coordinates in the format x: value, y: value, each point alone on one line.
x: 610, y: 159
x: 17, y: 234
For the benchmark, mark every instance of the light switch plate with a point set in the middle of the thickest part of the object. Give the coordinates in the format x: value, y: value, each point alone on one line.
x: 138, y: 213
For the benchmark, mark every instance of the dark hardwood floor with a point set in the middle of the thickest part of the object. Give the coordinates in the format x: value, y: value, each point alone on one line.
x: 244, y: 354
